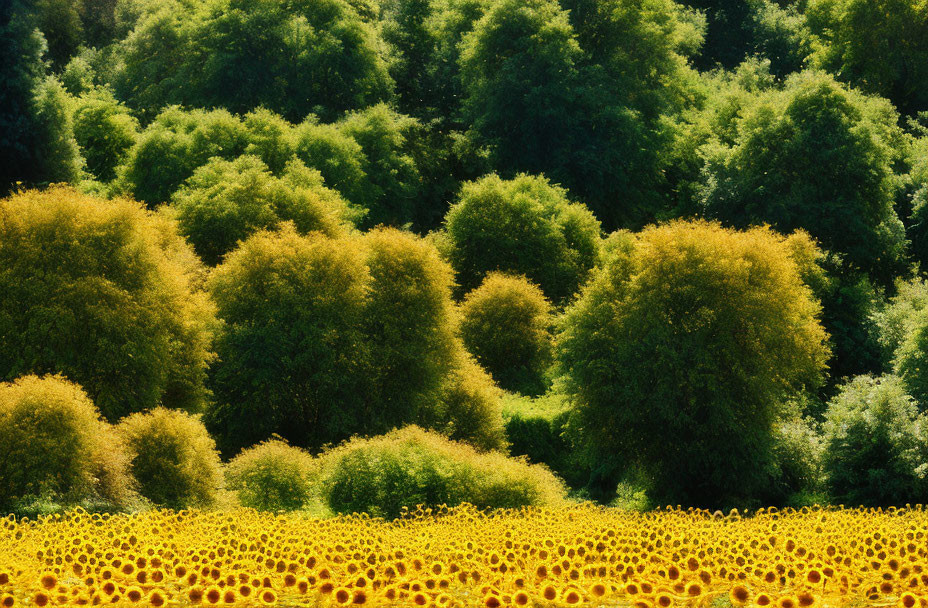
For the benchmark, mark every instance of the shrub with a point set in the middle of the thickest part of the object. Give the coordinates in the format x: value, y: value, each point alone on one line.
x: 408, y: 467
x: 173, y: 458
x: 55, y: 445
x: 521, y: 226
x: 225, y: 202
x: 104, y: 130
x: 872, y: 444
x: 507, y: 325
x: 657, y: 357
x: 105, y: 293
x: 272, y: 476
x: 798, y: 450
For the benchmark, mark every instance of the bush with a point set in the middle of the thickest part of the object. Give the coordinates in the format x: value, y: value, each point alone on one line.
x: 272, y: 476
x: 173, y: 458
x: 105, y: 293
x: 105, y: 131
x: 657, y: 357
x: 55, y: 445
x: 409, y: 467
x: 507, y: 325
x: 798, y: 450
x: 225, y: 202
x: 521, y: 226
x: 872, y: 444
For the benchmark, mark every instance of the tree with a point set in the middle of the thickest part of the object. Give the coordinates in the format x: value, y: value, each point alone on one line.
x: 579, y: 96
x: 56, y: 446
x: 325, y: 338
x: 56, y: 151
x: 296, y: 58
x: 872, y: 444
x: 225, y: 202
x: 680, y: 352
x: 173, y: 458
x: 880, y: 46
x: 814, y: 156
x: 173, y: 146
x: 506, y: 323
x: 292, y: 357
x: 104, y: 130
x: 521, y: 226
x: 106, y: 294
x: 393, y: 179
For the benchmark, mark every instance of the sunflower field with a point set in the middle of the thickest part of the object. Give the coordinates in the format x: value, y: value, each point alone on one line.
x: 580, y: 555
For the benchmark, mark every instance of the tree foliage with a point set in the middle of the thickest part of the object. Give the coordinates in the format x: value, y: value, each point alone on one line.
x: 507, y: 323
x: 521, y: 226
x: 879, y: 46
x: 293, y: 58
x: 225, y: 202
x: 324, y: 338
x: 173, y: 458
x: 687, y: 343
x: 105, y: 293
x: 56, y: 445
x: 814, y: 156
x: 871, y: 437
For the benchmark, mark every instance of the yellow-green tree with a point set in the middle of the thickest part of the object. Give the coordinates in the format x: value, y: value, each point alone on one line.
x: 105, y: 293
x: 680, y: 352
x: 506, y: 323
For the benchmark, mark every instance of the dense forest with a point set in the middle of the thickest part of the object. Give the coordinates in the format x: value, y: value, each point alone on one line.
x: 369, y: 254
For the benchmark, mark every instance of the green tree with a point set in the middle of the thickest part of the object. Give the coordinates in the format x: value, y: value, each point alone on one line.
x: 872, y: 444
x: 292, y: 357
x: 60, y: 23
x: 296, y: 58
x: 56, y: 445
x: 173, y: 458
x: 56, y: 151
x: 393, y: 181
x: 325, y: 338
x: 880, y: 46
x: 337, y: 156
x: 578, y: 94
x: 814, y: 156
x: 105, y: 293
x: 680, y: 353
x: 104, y: 130
x: 225, y: 202
x: 507, y: 323
x: 172, y: 147
x: 521, y: 226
